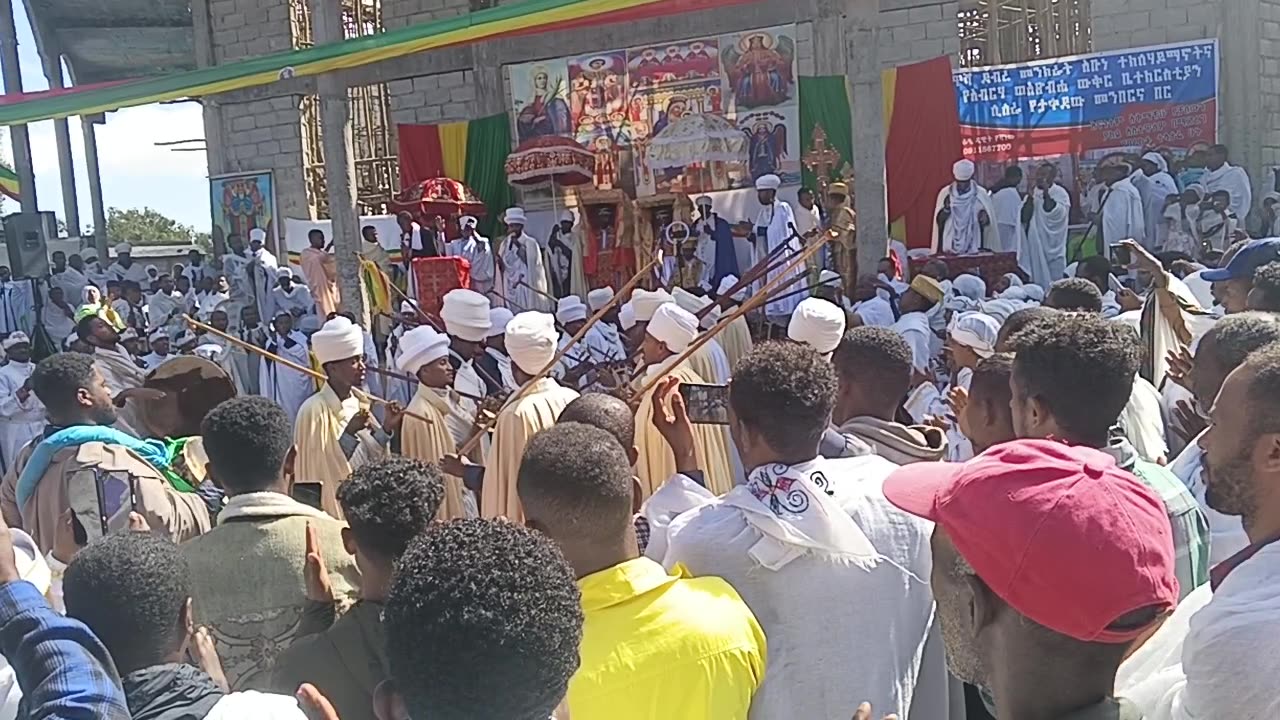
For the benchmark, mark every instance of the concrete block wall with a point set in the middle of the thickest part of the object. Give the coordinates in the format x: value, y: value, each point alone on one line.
x: 248, y: 28
x: 1133, y: 23
x: 912, y: 31
x: 1269, y: 83
x: 267, y: 135
x: 402, y: 13
x: 431, y: 99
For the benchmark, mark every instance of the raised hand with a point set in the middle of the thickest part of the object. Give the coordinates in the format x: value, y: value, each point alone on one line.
x: 315, y: 574
x: 1180, y: 364
x: 205, y: 654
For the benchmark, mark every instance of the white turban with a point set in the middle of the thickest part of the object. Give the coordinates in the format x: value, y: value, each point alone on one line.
x: 531, y: 340
x: 768, y: 182
x: 466, y: 220
x: 570, y: 309
x: 131, y: 334
x: 155, y: 335
x: 186, y: 337
x: 17, y: 337
x: 1158, y: 160
x: 498, y: 319
x: 970, y: 286
x: 124, y: 249
x: 703, y: 201
x: 674, y: 326
x: 709, y: 320
x: 962, y: 170
x: 645, y: 303
x: 976, y: 331
x: 466, y: 314
x: 627, y: 316
x: 309, y: 324
x: 420, y: 346
x: 338, y: 339
x: 599, y: 297
x: 688, y: 301
x: 829, y: 278
x: 514, y: 216
x: 817, y: 323
x: 258, y: 235
x: 567, y: 216
x: 408, y: 308
x: 727, y: 283
x: 1034, y: 292
x: 284, y: 272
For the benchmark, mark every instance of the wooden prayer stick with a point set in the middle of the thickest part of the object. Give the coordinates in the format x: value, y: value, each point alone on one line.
x: 756, y: 300
x: 808, y: 289
x: 410, y: 379
x: 196, y: 324
x: 753, y: 273
x: 577, y: 337
x: 430, y: 320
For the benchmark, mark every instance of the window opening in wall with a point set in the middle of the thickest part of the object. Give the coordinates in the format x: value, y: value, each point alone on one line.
x: 372, y: 140
x: 993, y: 32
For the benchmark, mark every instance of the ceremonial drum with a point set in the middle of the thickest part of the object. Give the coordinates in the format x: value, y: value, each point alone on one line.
x: 192, y: 386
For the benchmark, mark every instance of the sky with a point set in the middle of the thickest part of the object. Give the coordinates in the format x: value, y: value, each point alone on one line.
x: 135, y: 172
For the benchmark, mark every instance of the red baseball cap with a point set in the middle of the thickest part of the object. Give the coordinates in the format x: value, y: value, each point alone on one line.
x: 1059, y: 533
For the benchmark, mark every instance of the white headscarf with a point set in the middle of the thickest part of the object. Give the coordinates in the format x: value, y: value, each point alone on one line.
x: 817, y: 323
x: 627, y: 316
x: 498, y: 319
x: 976, y: 331
x: 531, y: 340
x: 338, y: 339
x: 570, y: 309
x: 466, y: 314
x: 599, y: 297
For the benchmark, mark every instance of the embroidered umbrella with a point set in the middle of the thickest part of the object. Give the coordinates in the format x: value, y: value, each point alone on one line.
x: 437, y: 196
x: 697, y: 139
x: 557, y: 160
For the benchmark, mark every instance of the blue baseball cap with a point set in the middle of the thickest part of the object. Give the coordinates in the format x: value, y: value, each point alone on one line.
x: 1252, y: 256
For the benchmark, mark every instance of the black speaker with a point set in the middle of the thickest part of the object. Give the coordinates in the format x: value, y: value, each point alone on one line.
x: 27, y: 236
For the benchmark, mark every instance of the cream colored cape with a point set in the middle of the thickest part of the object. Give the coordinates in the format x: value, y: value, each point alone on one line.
x: 656, y: 463
x: 321, y: 421
x: 517, y: 422
x: 736, y: 341
x: 430, y: 442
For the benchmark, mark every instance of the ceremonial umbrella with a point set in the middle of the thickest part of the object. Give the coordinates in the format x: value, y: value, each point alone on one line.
x: 697, y: 139
x: 437, y: 196
x: 558, y: 160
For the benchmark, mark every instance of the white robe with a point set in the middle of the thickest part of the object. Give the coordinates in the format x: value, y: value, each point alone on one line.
x: 287, y: 387
x: 240, y: 285
x: 522, y: 257
x: 262, y: 271
x: 504, y: 369
x: 914, y: 328
x: 1043, y: 250
x: 166, y: 311
x: 1235, y: 181
x: 478, y: 252
x: 962, y: 234
x: 57, y: 323
x: 72, y: 282
x: 297, y: 302
x: 1122, y: 217
x: 1155, y: 190
x: 1007, y: 202
x: 776, y: 221
x: 876, y: 312
x: 206, y: 303
x: 135, y: 272
x: 19, y: 421
x: 817, y: 664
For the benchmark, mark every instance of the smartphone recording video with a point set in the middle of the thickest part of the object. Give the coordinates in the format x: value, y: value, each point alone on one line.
x: 706, y: 404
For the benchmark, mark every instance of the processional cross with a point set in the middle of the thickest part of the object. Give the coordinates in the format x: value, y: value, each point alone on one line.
x: 821, y: 158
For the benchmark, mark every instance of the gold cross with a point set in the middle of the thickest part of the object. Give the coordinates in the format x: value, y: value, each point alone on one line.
x: 821, y: 158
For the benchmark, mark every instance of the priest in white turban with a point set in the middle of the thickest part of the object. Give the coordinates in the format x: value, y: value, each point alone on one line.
x: 609, y: 325
x: 335, y: 433
x: 22, y: 415
x: 819, y: 324
x: 466, y: 321
x: 709, y: 361
x: 566, y: 248
x: 668, y: 334
x: 531, y: 339
x: 124, y: 268
x: 774, y: 229
x: 289, y: 388
x: 964, y: 216
x: 520, y: 265
x: 424, y: 354
x: 736, y: 338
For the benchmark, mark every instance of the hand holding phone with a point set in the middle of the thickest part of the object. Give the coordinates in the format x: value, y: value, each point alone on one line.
x: 707, y: 404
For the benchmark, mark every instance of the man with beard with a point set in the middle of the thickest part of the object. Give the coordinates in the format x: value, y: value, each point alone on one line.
x: 1025, y: 614
x: 79, y: 451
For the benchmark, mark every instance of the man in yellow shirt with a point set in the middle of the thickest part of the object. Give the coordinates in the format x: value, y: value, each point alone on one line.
x: 654, y: 645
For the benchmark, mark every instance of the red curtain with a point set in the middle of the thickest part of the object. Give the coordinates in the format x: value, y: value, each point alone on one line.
x: 923, y: 144
x: 420, y: 154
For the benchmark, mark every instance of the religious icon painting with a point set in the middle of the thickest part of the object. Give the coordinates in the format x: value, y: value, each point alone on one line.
x: 598, y: 96
x: 773, y: 145
x: 540, y: 99
x: 760, y: 66
x: 243, y: 202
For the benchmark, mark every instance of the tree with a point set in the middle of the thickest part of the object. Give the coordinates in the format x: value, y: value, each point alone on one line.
x: 146, y: 227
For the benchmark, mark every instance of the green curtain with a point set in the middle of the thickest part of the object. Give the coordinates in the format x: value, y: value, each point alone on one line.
x: 488, y: 144
x: 824, y: 100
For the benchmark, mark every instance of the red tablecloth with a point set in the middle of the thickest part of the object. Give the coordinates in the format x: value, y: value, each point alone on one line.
x: 988, y: 266
x: 433, y: 277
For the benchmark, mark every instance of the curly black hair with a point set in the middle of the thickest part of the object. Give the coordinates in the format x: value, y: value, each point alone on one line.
x: 1237, y: 336
x: 247, y: 440
x: 786, y: 392
x: 483, y: 622
x: 575, y: 483
x: 605, y: 412
x: 390, y: 502
x: 58, y: 379
x: 1081, y: 367
x: 877, y: 360
x: 1264, y: 389
x: 1017, y: 320
x: 131, y: 589
x: 1266, y: 288
x: 1074, y: 294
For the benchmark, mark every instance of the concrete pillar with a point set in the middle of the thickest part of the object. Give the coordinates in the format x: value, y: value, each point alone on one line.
x: 861, y: 43
x: 339, y: 163
x: 12, y: 85
x: 88, y: 124
x: 1243, y: 123
x: 62, y: 138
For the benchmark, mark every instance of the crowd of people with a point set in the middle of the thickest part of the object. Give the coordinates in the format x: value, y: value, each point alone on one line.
x: 931, y: 496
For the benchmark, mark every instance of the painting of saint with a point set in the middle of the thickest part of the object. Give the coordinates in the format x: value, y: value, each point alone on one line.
x: 241, y: 203
x: 544, y: 111
x: 767, y: 147
x: 597, y: 94
x: 759, y: 68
